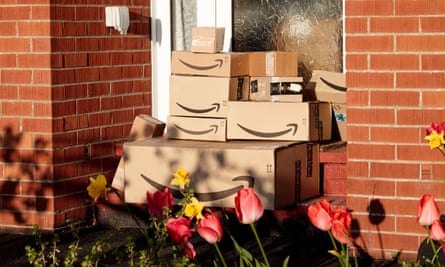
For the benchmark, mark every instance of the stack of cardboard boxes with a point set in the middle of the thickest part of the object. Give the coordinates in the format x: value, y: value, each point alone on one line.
x: 236, y: 120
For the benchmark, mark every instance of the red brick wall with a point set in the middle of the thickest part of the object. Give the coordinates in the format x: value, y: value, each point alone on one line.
x: 68, y: 86
x: 395, y: 51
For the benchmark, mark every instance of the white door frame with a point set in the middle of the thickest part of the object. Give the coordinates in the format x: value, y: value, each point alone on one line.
x: 210, y: 13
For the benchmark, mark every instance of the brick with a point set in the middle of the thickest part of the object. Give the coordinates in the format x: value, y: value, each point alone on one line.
x: 37, y: 124
x: 15, y: 45
x: 65, y: 170
x: 371, y: 116
x: 34, y: 61
x: 394, y: 134
x: 63, y: 76
x: 74, y: 153
x: 395, y: 98
x: 394, y: 62
x: 34, y: 28
x: 110, y: 73
x: 63, y: 12
x: 419, y: 7
x: 76, y: 91
x: 142, y: 85
x: 14, y: 13
x: 41, y: 44
x: 417, y: 189
x: 87, y: 44
x: 9, y: 124
x: 87, y: 74
x: 88, y: 12
x: 122, y: 116
x: 358, y: 133
x: 108, y: 103
x: 99, y: 59
x: 394, y: 24
x: 16, y: 76
x: 370, y: 43
x: 8, y: 28
x: 61, y: 140
x: 87, y: 105
x: 123, y: 87
x: 75, y: 122
x: 372, y: 151
x: 10, y: 187
x: 414, y: 152
x: 133, y: 100
x: 143, y: 57
x: 89, y: 135
x: 97, y: 28
x: 121, y: 58
x: 433, y: 62
x: 432, y: 98
x: 107, y: 44
x: 113, y: 132
x: 99, y: 119
x: 98, y: 89
x: 368, y: 7
x: 8, y: 92
x: 8, y: 60
x: 34, y: 93
x: 420, y: 80
x: 75, y: 60
x: 92, y: 166
x: 43, y: 109
x: 17, y: 108
x: 18, y: 203
x: 432, y: 24
x: 132, y: 72
x: 101, y: 150
x: 75, y: 28
x: 357, y: 97
x: 42, y: 76
x: 356, y: 62
x: 370, y: 80
x: 63, y: 108
x: 394, y: 170
x: 40, y: 12
x: 65, y: 44
x: 420, y: 43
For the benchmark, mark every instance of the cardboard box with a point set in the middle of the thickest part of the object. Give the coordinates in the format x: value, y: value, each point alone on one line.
x: 306, y: 121
x: 198, y: 96
x: 339, y: 126
x: 284, y: 89
x: 143, y: 127
x: 196, y: 128
x: 273, y: 63
x: 329, y: 86
x: 228, y: 64
x: 282, y: 173
x: 207, y: 39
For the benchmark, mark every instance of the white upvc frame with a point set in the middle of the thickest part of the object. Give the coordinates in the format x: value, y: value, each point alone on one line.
x: 209, y: 13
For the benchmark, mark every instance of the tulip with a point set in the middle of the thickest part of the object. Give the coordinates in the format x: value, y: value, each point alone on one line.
x: 210, y: 228
x: 340, y: 225
x: 320, y: 215
x: 98, y: 187
x: 189, y: 250
x: 158, y: 201
x: 437, y: 232
x: 248, y: 206
x: 427, y: 211
x: 438, y: 127
x: 179, y: 229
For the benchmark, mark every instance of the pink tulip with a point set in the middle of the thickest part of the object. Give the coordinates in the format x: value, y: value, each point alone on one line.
x: 438, y: 127
x: 179, y: 230
x: 427, y: 211
x: 437, y: 232
x: 189, y: 250
x: 210, y: 229
x: 320, y: 215
x: 341, y: 223
x: 158, y: 201
x: 248, y: 206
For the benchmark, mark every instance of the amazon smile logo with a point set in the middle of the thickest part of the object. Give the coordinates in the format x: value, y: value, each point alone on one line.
x: 214, y: 107
x: 292, y: 127
x: 333, y: 86
x: 202, y: 132
x: 218, y: 64
x: 208, y: 196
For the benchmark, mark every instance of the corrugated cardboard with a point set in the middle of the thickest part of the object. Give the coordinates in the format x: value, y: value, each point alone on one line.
x: 329, y: 86
x: 143, y: 127
x: 339, y: 127
x: 196, y: 128
x: 284, y: 89
x: 273, y: 63
x: 207, y: 39
x: 198, y: 96
x: 306, y: 121
x: 228, y: 64
x: 282, y: 173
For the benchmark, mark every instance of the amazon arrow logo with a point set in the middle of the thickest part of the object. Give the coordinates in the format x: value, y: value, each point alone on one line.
x: 334, y: 86
x: 212, y: 128
x: 293, y: 127
x: 218, y: 64
x: 204, y: 196
x: 214, y: 108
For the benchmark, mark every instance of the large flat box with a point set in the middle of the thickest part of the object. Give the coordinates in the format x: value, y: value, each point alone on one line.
x: 282, y: 173
x: 228, y: 64
x: 269, y: 88
x: 285, y: 121
x: 207, y: 39
x: 196, y: 128
x: 143, y: 127
x: 340, y: 120
x: 273, y: 63
x: 329, y: 86
x: 205, y: 96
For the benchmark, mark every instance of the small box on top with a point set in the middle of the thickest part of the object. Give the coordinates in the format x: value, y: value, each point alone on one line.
x: 207, y: 39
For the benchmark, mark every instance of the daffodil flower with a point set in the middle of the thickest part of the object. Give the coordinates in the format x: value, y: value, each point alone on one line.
x: 435, y: 139
x: 194, y: 208
x: 98, y: 187
x: 181, y: 178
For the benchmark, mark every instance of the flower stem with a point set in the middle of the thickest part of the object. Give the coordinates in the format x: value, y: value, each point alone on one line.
x: 220, y: 255
x: 260, y: 244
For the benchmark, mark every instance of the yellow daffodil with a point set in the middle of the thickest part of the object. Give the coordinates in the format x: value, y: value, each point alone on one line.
x: 436, y: 140
x: 98, y: 187
x: 181, y: 178
x: 194, y: 208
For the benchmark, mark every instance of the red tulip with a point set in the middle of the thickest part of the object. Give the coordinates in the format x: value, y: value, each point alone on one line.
x: 341, y: 223
x: 437, y: 232
x: 157, y: 202
x: 438, y: 127
x: 179, y: 229
x: 210, y: 228
x: 248, y: 206
x: 320, y: 215
x: 189, y: 250
x: 427, y: 211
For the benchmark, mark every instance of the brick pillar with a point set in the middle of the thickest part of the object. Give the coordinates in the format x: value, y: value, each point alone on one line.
x: 69, y: 90
x: 395, y: 51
